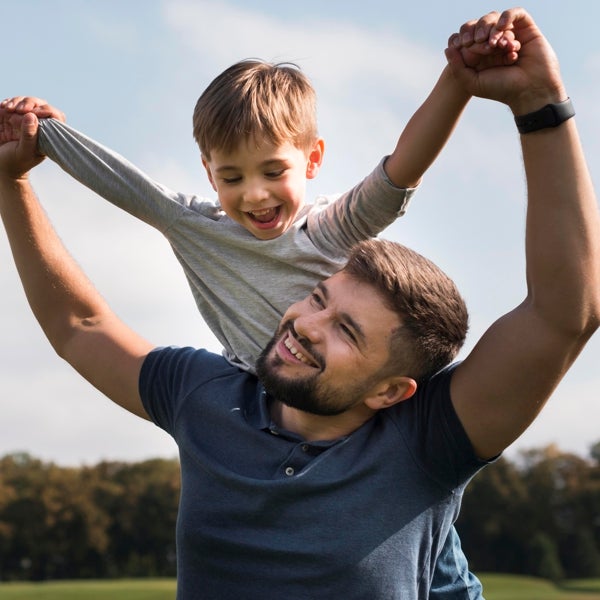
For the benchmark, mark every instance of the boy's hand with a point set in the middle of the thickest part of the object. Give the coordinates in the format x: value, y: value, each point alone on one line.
x: 526, y: 85
x: 482, y: 46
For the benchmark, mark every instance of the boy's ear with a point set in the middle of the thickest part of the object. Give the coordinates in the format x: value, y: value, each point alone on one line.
x: 315, y: 158
x: 390, y: 391
x: 208, y: 173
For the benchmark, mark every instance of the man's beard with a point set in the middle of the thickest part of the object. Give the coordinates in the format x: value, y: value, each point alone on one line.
x: 307, y: 394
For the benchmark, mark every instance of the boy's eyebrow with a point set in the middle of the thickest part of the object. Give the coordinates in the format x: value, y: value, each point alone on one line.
x: 264, y: 164
x: 348, y: 319
x: 226, y: 168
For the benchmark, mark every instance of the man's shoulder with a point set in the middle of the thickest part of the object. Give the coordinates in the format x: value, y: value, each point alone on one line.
x: 187, y: 363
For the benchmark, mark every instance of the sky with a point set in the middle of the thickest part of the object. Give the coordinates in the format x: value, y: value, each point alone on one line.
x: 128, y: 74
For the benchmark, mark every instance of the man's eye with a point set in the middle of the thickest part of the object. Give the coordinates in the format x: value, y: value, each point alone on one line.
x: 348, y: 332
x: 316, y: 299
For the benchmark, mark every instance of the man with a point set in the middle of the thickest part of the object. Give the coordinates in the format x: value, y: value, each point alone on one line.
x: 343, y: 475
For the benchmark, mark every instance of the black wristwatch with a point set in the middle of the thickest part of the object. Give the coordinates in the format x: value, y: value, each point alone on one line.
x: 552, y: 115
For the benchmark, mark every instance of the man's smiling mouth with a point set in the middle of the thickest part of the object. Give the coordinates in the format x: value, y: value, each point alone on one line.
x: 288, y: 342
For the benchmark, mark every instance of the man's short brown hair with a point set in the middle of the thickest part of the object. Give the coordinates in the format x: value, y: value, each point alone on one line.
x: 254, y: 100
x: 433, y: 314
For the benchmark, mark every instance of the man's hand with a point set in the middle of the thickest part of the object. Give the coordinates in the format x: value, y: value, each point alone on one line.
x: 525, y: 85
x: 20, y: 156
x: 12, y: 111
x: 475, y: 47
x: 24, y: 104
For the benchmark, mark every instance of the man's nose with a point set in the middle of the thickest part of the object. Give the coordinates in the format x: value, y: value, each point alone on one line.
x: 310, y: 327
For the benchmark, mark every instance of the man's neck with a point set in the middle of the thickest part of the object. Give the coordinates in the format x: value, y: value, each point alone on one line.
x: 315, y: 428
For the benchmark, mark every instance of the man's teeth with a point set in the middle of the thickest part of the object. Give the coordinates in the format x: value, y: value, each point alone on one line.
x: 290, y: 346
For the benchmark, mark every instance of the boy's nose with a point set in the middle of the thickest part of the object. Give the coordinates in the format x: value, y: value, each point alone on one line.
x: 255, y: 193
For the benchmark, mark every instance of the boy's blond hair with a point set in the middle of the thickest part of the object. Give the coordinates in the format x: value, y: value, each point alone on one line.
x: 252, y: 100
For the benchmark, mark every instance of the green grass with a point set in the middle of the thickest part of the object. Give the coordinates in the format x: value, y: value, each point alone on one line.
x: 512, y: 587
x: 496, y: 587
x: 119, y: 589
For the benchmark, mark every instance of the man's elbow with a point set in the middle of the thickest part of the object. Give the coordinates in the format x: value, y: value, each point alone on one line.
x: 64, y: 336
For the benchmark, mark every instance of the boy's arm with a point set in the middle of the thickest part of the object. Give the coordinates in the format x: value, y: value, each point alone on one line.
x: 428, y: 130
x: 514, y: 368
x: 103, y: 171
x: 77, y: 321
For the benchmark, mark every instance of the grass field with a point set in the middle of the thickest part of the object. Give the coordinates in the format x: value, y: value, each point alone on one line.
x: 120, y: 589
x: 496, y: 587
x: 510, y: 587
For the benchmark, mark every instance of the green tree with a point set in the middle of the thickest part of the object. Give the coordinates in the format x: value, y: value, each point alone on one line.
x: 543, y: 558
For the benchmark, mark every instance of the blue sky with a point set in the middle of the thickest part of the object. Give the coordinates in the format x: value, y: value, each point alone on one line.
x: 128, y: 73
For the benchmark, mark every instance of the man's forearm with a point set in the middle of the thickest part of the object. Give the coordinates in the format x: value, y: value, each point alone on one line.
x: 57, y: 290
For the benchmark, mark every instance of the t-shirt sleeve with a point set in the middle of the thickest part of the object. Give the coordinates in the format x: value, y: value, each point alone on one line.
x: 110, y: 175
x: 169, y: 375
x: 429, y: 424
x: 359, y: 214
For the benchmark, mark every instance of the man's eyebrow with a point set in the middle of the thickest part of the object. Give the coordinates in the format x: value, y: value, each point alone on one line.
x: 348, y: 319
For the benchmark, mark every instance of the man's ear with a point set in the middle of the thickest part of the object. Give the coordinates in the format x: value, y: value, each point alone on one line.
x: 208, y: 173
x: 391, y: 391
x: 315, y: 158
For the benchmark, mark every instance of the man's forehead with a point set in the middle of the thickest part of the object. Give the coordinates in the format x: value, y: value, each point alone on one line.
x: 358, y: 300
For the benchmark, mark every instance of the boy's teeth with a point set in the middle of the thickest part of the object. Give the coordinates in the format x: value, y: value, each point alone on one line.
x: 265, y: 215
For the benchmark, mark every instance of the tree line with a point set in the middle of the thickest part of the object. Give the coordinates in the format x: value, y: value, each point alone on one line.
x: 538, y: 515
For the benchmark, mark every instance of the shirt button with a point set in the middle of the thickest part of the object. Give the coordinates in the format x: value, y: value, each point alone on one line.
x: 289, y: 471
x: 304, y: 447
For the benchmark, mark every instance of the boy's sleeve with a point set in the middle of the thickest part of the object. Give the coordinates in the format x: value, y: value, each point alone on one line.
x: 109, y: 174
x: 359, y: 214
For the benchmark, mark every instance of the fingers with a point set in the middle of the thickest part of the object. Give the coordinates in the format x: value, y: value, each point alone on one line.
x: 21, y: 104
x: 19, y: 156
x: 29, y: 129
x: 25, y: 104
x: 27, y: 155
x: 493, y: 30
x: 489, y: 41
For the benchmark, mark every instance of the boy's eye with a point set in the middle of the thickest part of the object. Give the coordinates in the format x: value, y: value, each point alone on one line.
x: 275, y: 174
x: 230, y: 180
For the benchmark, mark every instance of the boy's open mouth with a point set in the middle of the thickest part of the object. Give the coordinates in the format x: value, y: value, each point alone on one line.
x: 265, y: 216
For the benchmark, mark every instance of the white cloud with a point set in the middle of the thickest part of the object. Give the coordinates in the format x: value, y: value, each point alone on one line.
x: 340, y: 55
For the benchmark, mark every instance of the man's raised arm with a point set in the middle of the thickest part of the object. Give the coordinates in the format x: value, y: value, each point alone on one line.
x: 504, y: 382
x: 77, y: 321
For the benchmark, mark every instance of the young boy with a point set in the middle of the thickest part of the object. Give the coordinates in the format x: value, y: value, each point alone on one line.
x: 259, y: 246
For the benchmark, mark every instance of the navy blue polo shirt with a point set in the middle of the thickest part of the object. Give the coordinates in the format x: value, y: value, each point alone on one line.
x: 265, y: 514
